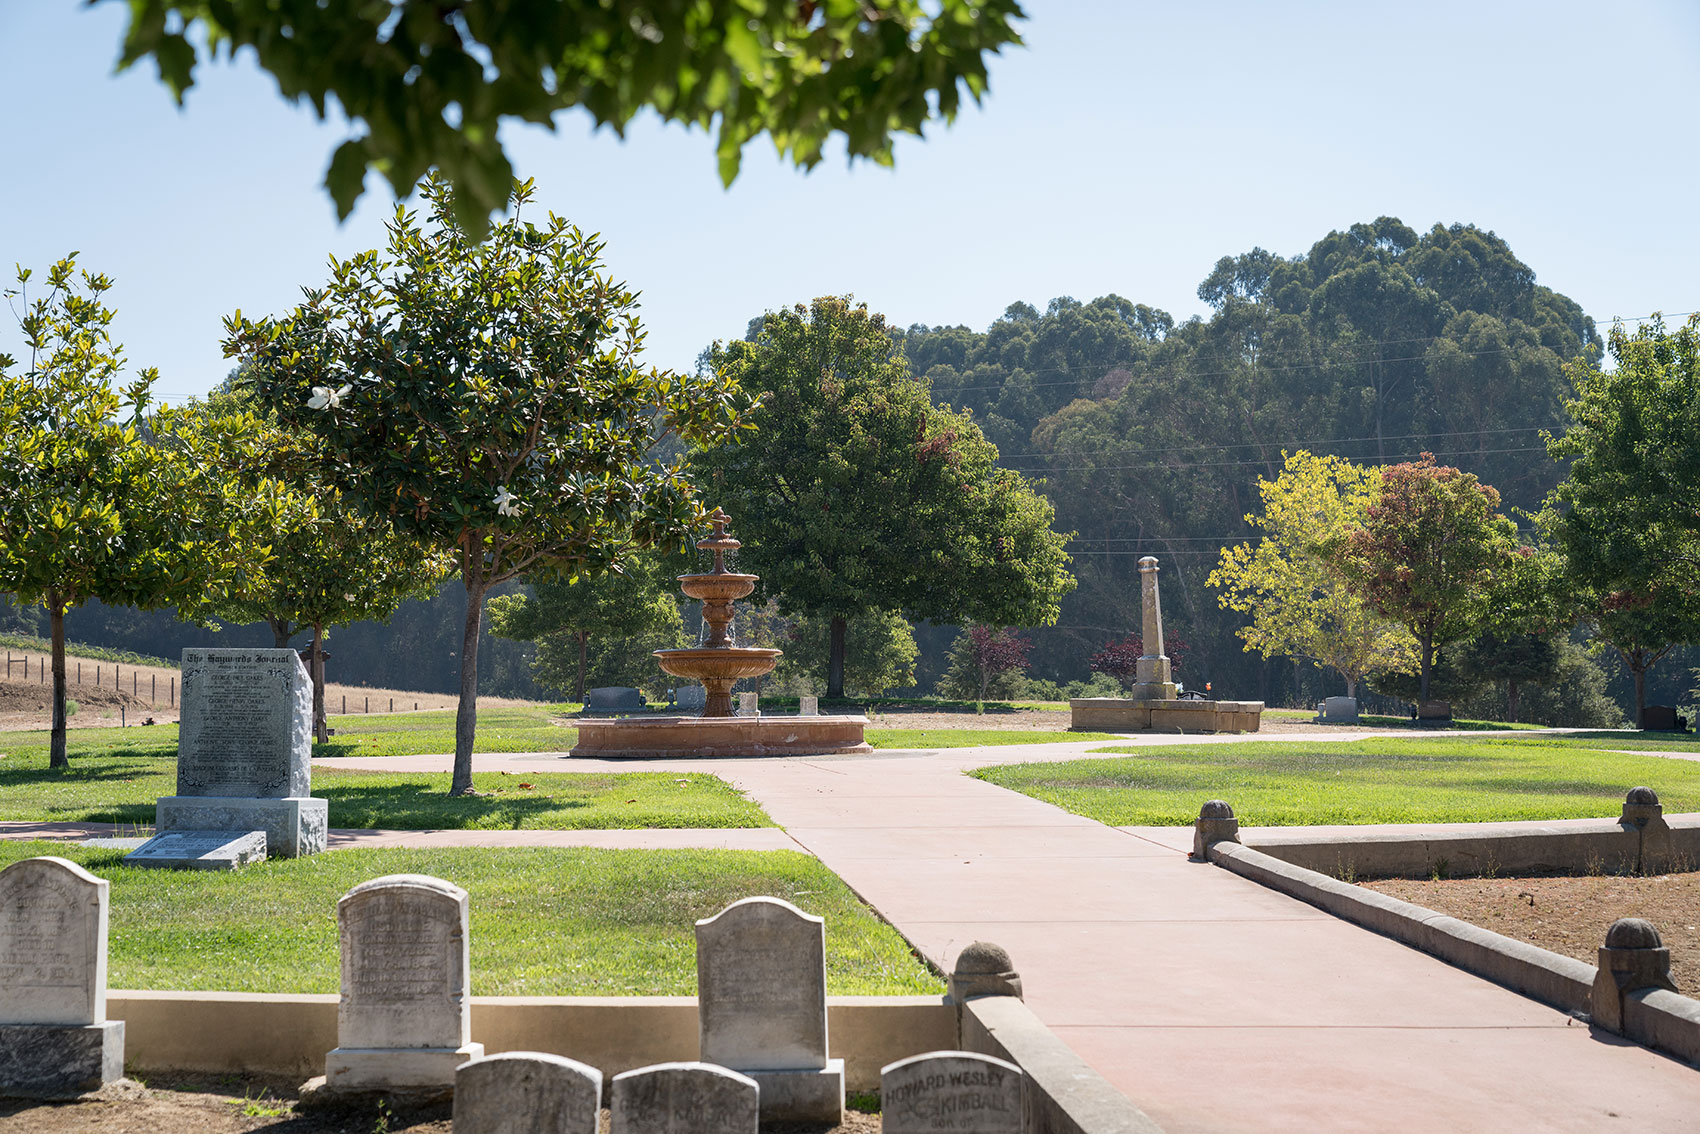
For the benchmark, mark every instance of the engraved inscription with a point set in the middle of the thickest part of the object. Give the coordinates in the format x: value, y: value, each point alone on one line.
x: 951, y: 1093
x: 243, y: 730
x: 403, y: 954
x: 43, y: 934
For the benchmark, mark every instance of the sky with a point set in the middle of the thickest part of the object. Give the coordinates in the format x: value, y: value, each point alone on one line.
x: 1125, y: 148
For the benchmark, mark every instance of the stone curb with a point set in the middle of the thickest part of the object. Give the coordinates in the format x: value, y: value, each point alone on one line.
x: 1064, y: 1095
x: 1563, y: 982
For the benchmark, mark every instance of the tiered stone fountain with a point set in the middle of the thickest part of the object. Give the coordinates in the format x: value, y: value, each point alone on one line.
x: 718, y: 663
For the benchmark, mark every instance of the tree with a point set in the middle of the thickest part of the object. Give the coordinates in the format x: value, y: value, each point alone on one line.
x: 426, y: 83
x: 625, y: 610
x: 1530, y: 609
x: 1627, y: 518
x: 1427, y: 553
x: 859, y: 495
x: 983, y: 658
x: 486, y: 398
x: 1120, y: 658
x: 878, y: 657
x: 1300, y: 603
x: 98, y: 498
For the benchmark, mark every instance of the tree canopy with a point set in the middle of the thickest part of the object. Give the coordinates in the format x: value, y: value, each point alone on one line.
x: 1428, y: 553
x: 430, y: 83
x: 860, y: 495
x: 486, y: 399
x: 1299, y: 602
x: 84, y: 467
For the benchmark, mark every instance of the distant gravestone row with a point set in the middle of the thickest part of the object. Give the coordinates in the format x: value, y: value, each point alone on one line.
x: 404, y: 1022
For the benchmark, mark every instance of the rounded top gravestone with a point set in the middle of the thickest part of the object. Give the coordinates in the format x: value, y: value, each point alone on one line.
x: 53, y: 917
x: 404, y: 964
x: 761, y: 986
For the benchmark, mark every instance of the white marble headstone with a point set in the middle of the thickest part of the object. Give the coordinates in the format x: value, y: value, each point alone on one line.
x: 246, y: 724
x: 950, y: 1091
x: 521, y: 1092
x: 684, y: 1098
x: 52, y: 943
x: 761, y: 987
x: 404, y: 964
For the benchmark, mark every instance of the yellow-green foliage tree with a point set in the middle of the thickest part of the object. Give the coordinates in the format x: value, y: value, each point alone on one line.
x: 1298, y: 600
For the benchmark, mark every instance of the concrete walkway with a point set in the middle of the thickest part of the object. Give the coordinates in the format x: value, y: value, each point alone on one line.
x: 1213, y: 1003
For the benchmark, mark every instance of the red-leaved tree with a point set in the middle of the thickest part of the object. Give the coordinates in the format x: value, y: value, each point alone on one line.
x: 1120, y: 659
x: 981, y: 655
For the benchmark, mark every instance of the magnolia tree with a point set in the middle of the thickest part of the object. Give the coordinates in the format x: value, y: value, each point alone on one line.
x: 1300, y: 603
x: 1120, y: 659
x: 98, y: 498
x: 485, y: 398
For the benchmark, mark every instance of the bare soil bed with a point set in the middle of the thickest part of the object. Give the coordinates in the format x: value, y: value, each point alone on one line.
x: 1570, y: 915
x: 1042, y: 720
x: 237, y: 1105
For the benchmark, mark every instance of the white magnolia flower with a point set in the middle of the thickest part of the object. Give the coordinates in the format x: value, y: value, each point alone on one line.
x: 347, y: 598
x: 326, y: 398
x: 506, y: 503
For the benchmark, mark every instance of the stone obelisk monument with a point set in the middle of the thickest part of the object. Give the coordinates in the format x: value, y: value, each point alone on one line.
x: 1152, y: 678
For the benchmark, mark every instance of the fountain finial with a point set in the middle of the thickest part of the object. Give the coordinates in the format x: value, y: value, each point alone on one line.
x: 719, y: 543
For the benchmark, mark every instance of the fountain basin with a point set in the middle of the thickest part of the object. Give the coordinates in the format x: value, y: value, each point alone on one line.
x: 673, y: 738
x: 721, y: 587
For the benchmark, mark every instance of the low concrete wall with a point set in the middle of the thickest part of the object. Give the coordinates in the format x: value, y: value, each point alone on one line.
x: 1064, y: 1095
x: 1460, y: 850
x: 1130, y: 714
x: 290, y: 1034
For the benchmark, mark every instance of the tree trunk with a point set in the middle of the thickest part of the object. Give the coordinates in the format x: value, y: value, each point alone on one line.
x: 56, y: 615
x: 1351, y: 686
x: 320, y: 732
x: 281, y: 633
x: 1426, y: 643
x: 1513, y: 701
x: 985, y: 680
x: 1640, y: 673
x: 466, y: 716
x: 583, y: 637
x: 835, y: 659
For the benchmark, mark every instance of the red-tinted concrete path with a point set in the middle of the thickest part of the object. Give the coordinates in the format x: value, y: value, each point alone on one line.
x: 1211, y: 1002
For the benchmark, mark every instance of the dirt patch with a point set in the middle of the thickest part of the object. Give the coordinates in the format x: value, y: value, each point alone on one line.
x: 237, y: 1105
x: 1570, y: 915
x: 1047, y: 720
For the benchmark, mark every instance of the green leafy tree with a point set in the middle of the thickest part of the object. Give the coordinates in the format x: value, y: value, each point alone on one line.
x: 427, y: 83
x: 486, y: 399
x: 99, y: 499
x: 627, y: 613
x: 878, y: 657
x: 1300, y: 603
x: 1428, y: 553
x: 1531, y: 608
x: 860, y: 495
x: 1627, y: 518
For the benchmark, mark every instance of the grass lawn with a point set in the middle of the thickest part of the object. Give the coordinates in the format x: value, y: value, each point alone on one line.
x: 118, y: 782
x: 505, y: 729
x: 970, y: 738
x: 1444, y: 780
x: 1371, y: 720
x: 545, y: 922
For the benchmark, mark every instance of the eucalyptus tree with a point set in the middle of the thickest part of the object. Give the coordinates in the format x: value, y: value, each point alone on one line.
x: 486, y: 398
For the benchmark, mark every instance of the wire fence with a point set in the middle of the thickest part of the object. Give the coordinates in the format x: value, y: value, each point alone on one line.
x: 101, y: 675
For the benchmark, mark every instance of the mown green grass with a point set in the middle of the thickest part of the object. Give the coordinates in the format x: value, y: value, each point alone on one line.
x: 119, y: 783
x: 1445, y: 780
x: 972, y: 738
x: 544, y: 922
x: 521, y: 728
x: 1372, y: 720
x: 1627, y: 740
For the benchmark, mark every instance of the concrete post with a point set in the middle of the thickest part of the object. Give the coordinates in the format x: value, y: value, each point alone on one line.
x: 1643, y: 813
x: 1634, y: 957
x: 983, y: 969
x: 1215, y: 824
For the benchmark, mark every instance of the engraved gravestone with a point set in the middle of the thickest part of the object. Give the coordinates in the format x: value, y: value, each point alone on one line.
x: 55, y: 1039
x: 761, y: 1003
x: 404, y: 1017
x: 953, y: 1091
x: 527, y: 1092
x: 244, y: 755
x: 684, y: 1098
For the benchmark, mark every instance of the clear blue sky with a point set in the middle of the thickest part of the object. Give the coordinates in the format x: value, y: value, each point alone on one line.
x: 1125, y: 149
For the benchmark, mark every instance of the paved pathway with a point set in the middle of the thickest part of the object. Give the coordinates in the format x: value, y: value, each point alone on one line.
x: 1215, y: 1004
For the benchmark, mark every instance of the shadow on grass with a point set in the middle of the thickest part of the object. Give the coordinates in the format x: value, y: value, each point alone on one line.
x: 417, y: 806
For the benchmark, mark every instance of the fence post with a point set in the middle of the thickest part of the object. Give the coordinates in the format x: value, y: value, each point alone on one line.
x: 392, y: 704
x: 153, y: 689
x: 173, y: 689
x: 368, y: 707
x: 345, y: 704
